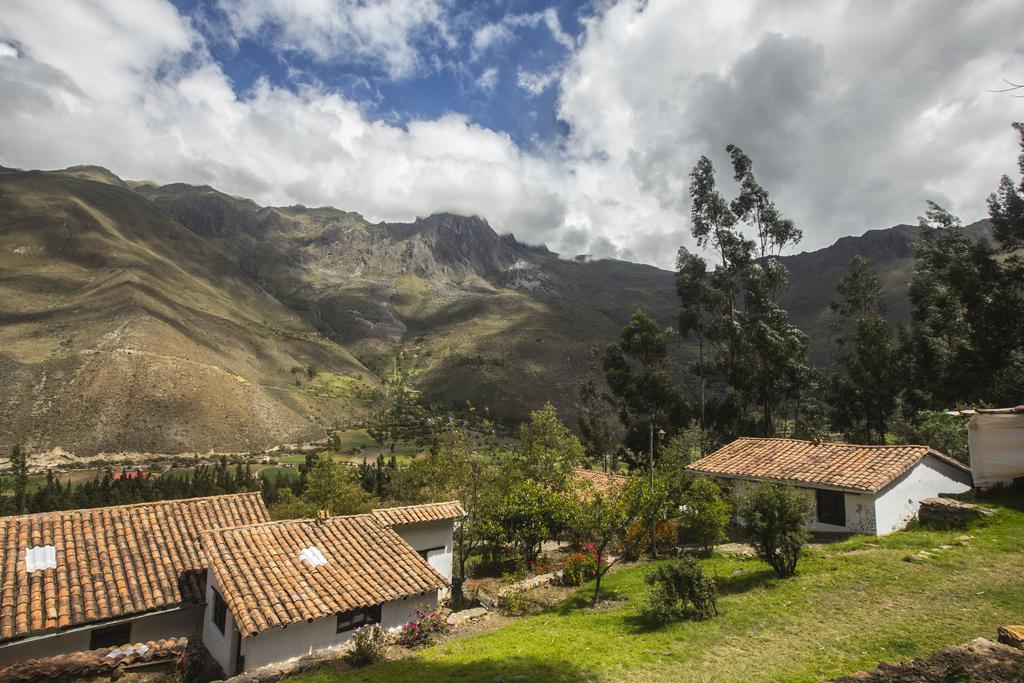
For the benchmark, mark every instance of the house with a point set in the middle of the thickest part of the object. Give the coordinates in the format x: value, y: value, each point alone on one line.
x: 284, y: 589
x: 996, y: 439
x: 603, y: 482
x: 80, y: 580
x: 862, y: 489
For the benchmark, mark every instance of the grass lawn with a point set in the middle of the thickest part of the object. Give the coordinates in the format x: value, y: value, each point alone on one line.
x: 851, y: 605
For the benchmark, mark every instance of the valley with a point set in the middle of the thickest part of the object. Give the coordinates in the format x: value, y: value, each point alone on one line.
x: 176, y: 318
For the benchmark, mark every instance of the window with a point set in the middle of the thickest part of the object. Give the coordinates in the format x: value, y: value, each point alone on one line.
x: 220, y: 611
x: 111, y: 636
x: 831, y: 507
x: 431, y: 552
x: 358, y: 617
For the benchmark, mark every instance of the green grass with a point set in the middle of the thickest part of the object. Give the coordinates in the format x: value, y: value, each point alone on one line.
x: 333, y: 385
x: 850, y: 606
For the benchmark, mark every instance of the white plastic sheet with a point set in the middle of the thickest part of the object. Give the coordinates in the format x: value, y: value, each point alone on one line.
x: 997, y: 447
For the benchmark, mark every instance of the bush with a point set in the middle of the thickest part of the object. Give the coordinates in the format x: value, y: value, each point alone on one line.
x: 513, y: 603
x: 705, y: 515
x: 637, y: 539
x: 579, y: 568
x: 425, y: 629
x: 679, y: 589
x: 774, y: 518
x: 369, y: 645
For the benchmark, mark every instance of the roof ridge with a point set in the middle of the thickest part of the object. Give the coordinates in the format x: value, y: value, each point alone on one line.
x: 416, y: 505
x: 124, y: 506
x: 835, y: 443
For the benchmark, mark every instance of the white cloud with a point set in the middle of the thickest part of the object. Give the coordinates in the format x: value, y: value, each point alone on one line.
x: 386, y: 33
x: 854, y: 114
x: 536, y: 83
x: 169, y: 122
x: 488, y: 36
x: 488, y: 80
x: 499, y: 33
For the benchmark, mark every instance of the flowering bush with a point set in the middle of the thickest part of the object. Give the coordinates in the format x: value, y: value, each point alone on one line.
x: 542, y: 565
x: 578, y: 568
x: 426, y: 628
x: 638, y: 538
x: 369, y: 645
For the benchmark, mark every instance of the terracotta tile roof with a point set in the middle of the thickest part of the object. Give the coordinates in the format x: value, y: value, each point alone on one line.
x: 602, y: 481
x: 93, y: 663
x: 110, y: 562
x: 414, y: 514
x: 838, y: 465
x: 265, y: 584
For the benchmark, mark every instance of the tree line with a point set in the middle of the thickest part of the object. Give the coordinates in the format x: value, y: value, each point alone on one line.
x: 109, y: 489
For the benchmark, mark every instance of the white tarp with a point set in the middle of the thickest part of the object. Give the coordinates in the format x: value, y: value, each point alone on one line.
x: 997, y: 447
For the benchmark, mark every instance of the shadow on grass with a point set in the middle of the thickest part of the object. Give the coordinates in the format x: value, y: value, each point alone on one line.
x: 741, y: 583
x: 642, y: 623
x: 584, y: 599
x: 511, y: 668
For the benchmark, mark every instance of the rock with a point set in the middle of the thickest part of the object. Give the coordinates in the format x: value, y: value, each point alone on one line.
x: 741, y: 550
x: 947, y: 512
x: 1012, y: 636
x: 486, y: 600
x: 459, y: 618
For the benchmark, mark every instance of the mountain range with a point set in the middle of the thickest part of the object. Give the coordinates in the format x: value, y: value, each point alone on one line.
x: 177, y: 318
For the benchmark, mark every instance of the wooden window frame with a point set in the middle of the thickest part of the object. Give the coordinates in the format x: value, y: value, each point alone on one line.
x: 830, y: 507
x: 103, y: 636
x: 219, y: 615
x: 353, y: 619
x: 426, y: 552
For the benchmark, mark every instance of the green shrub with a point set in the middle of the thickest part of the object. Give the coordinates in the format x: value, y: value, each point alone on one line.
x: 680, y: 589
x: 705, y: 515
x: 513, y: 603
x: 369, y: 645
x: 774, y: 518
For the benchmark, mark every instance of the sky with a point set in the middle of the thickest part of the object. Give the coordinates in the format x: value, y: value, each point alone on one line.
x: 573, y: 124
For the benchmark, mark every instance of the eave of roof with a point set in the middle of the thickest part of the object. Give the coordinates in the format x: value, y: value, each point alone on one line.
x: 420, y: 513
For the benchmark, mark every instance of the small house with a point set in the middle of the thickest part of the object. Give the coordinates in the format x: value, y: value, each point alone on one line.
x: 281, y: 590
x: 602, y: 482
x: 854, y: 488
x: 83, y: 580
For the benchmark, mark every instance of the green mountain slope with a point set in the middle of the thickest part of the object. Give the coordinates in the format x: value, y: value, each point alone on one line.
x: 122, y: 330
x: 500, y: 324
x: 504, y: 324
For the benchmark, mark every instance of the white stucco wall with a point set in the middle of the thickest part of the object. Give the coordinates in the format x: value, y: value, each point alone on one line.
x: 169, y: 624
x: 860, y: 510
x: 280, y: 644
x: 432, y: 535
x: 897, y: 504
x: 220, y: 645
x: 860, y: 514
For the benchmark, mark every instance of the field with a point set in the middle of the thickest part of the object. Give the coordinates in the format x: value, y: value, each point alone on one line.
x: 852, y: 605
